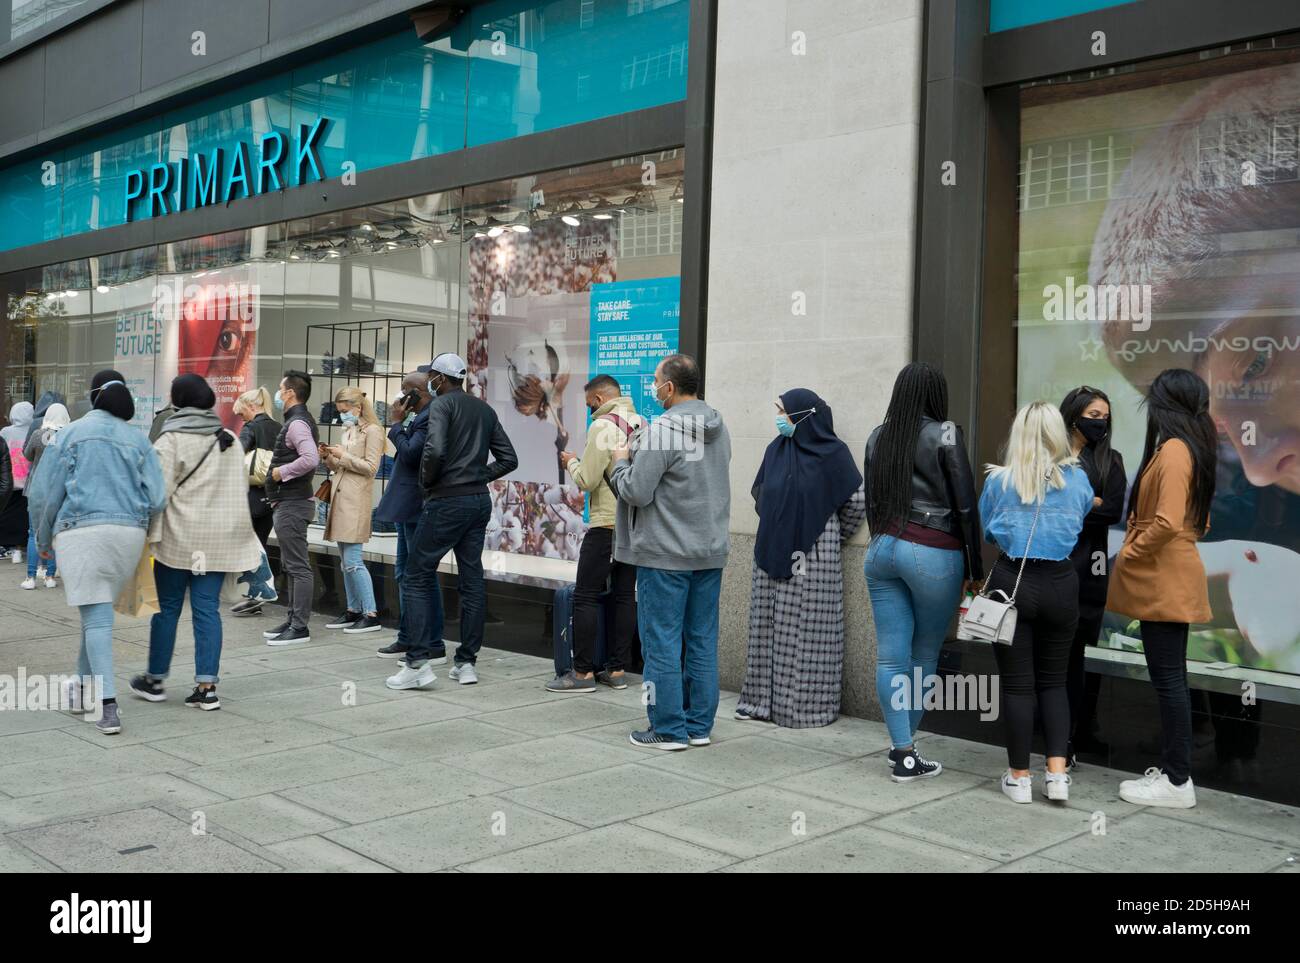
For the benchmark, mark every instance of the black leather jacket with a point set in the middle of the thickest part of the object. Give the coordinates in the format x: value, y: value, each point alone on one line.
x: 462, y: 430
x: 943, y: 490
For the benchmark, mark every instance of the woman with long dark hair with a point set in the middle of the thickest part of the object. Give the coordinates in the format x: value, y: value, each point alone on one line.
x: 1159, y: 578
x: 925, y: 526
x: 1087, y: 416
x: 808, y: 494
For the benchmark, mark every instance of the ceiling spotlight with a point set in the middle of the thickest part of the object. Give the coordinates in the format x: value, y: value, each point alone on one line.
x: 520, y: 228
x: 570, y: 220
x: 51, y: 296
x: 70, y: 293
x: 295, y: 257
x: 102, y: 288
x: 496, y: 231
x: 367, y: 226
x: 603, y: 217
x: 332, y: 253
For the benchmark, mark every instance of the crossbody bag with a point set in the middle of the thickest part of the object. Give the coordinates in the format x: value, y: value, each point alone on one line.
x: 992, y: 620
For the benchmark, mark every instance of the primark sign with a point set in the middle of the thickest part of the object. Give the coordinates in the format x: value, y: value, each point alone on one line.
x: 222, y: 175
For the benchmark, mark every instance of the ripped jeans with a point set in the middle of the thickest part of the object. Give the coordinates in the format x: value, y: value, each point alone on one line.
x: 356, y: 579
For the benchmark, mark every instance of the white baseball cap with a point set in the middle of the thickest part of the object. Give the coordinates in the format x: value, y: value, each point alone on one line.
x: 449, y: 364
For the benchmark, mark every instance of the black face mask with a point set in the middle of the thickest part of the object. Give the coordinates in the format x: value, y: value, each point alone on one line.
x: 1093, y: 429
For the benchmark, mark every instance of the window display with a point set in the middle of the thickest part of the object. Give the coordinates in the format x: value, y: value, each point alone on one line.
x: 541, y: 282
x: 1158, y: 229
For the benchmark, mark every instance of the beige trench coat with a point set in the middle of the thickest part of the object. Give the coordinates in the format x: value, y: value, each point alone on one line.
x: 352, y: 481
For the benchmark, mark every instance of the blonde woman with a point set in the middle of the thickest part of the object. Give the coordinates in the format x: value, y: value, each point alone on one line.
x: 353, y: 464
x: 1033, y: 509
x: 258, y: 434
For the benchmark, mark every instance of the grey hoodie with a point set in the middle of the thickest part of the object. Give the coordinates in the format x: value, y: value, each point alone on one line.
x: 674, y: 493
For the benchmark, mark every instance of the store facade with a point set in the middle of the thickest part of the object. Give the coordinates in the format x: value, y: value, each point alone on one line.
x: 1127, y: 177
x: 799, y: 193
x: 507, y: 180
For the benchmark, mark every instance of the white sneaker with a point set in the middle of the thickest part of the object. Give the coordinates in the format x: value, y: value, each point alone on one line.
x: 1155, y: 789
x: 16, y: 556
x: 51, y: 583
x: 464, y: 674
x: 408, y: 678
x: 1056, y: 786
x: 28, y: 583
x: 40, y: 571
x: 1020, y: 790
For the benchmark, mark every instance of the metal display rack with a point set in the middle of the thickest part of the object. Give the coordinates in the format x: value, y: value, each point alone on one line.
x: 375, y: 356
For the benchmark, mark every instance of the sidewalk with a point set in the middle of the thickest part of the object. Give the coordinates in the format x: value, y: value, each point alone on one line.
x: 503, y: 776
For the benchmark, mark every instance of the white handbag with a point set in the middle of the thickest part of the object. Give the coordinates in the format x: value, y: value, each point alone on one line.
x: 992, y: 620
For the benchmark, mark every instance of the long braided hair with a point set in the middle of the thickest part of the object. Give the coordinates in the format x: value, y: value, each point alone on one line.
x: 920, y: 391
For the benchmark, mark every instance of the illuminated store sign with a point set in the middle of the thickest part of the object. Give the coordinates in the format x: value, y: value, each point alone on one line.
x: 221, y: 175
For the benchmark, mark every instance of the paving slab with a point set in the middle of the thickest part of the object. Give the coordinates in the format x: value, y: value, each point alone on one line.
x: 392, y: 791
x: 864, y: 849
x: 620, y: 848
x: 616, y: 794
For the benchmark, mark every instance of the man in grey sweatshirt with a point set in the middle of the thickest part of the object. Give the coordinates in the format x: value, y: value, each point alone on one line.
x: 674, y: 509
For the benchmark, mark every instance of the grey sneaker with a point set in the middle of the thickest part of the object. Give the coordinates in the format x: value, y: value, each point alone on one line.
x: 110, y: 723
x: 571, y: 682
x: 613, y: 681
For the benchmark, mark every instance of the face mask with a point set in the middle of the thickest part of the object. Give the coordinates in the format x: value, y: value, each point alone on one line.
x: 1093, y: 429
x: 784, y: 426
x: 656, y: 390
x: 278, y: 402
x: 433, y: 389
x: 348, y: 418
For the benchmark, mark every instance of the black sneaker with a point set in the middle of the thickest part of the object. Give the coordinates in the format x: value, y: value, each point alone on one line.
x: 649, y: 739
x: 393, y: 650
x: 147, y: 688
x: 205, y: 699
x: 366, y: 623
x: 344, y: 621
x: 247, y: 607
x: 289, y: 636
x: 911, y: 765
x: 891, y: 759
x: 278, y: 630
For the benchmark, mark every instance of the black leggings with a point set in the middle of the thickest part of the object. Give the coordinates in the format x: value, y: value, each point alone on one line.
x: 1033, y: 668
x: 1083, y: 689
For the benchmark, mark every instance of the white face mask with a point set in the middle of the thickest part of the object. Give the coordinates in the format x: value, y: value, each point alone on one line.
x: 657, y: 386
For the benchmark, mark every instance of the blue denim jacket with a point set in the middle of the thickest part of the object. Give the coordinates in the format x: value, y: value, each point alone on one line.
x: 100, y: 470
x: 1007, y: 520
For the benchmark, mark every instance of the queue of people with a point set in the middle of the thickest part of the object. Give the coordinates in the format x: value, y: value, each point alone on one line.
x: 651, y: 562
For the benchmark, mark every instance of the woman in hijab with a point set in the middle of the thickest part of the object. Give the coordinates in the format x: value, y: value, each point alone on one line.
x: 92, y: 498
x: 809, y: 498
x: 56, y: 417
x: 203, y: 532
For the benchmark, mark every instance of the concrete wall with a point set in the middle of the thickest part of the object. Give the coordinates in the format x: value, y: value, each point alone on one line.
x: 814, y: 196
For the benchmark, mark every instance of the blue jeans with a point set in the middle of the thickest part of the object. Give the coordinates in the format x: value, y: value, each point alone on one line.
x: 456, y: 524
x: 356, y: 579
x: 914, y: 594
x: 33, y: 558
x: 677, y: 613
x: 96, y: 655
x: 205, y: 601
x: 433, y: 613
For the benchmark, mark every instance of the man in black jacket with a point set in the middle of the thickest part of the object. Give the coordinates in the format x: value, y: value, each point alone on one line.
x: 454, y: 472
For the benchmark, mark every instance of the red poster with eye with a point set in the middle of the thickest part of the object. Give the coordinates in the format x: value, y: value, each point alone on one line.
x: 217, y: 337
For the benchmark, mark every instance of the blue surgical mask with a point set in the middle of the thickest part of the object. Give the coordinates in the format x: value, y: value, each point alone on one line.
x: 784, y: 426
x: 278, y: 402
x: 348, y: 418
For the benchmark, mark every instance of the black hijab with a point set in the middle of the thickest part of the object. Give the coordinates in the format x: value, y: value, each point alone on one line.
x: 804, y: 479
x: 108, y: 392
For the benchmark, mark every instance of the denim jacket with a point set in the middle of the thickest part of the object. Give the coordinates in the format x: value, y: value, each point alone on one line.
x: 1007, y: 520
x: 100, y: 470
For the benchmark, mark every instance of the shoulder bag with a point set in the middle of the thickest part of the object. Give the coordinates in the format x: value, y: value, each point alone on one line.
x: 994, y: 620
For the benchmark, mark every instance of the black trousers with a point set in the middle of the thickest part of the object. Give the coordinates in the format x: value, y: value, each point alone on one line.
x: 1033, y: 667
x: 1165, y: 647
x: 597, y: 574
x: 1083, y: 689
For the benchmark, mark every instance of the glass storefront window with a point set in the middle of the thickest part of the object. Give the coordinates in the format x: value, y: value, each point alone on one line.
x: 540, y: 282
x: 1160, y: 227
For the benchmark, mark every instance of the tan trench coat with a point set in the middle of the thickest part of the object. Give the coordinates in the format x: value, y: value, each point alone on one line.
x: 1158, y: 573
x: 352, y: 481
